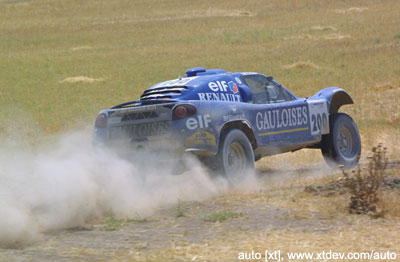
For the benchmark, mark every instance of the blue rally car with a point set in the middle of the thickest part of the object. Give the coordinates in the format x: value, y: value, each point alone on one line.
x: 231, y: 120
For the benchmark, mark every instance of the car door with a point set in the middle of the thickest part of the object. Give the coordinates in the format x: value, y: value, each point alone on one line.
x: 281, y: 119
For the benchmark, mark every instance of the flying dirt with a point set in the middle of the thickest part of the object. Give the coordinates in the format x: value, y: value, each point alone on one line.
x: 70, y: 182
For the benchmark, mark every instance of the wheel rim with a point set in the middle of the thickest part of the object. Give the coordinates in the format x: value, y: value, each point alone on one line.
x: 345, y: 142
x: 236, y: 158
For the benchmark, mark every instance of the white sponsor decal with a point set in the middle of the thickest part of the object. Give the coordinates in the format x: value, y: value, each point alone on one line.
x: 278, y: 118
x: 140, y: 130
x: 319, y: 117
x: 233, y: 117
x: 219, y: 97
x: 218, y: 86
x: 238, y: 80
x: 201, y: 121
x: 177, y: 82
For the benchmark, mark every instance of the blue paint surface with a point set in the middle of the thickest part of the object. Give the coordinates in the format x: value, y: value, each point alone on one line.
x: 220, y: 98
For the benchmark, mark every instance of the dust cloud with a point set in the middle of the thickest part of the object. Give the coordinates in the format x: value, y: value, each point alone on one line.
x: 67, y: 182
x: 70, y: 183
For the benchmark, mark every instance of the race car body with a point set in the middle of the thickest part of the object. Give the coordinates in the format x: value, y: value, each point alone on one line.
x: 200, y: 111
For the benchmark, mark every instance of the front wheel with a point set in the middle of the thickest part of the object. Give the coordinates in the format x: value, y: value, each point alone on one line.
x: 235, y: 158
x: 342, y: 146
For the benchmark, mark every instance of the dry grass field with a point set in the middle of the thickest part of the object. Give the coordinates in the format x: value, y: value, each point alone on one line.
x: 63, y: 61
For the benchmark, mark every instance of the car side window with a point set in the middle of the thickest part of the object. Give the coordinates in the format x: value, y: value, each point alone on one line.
x: 265, y: 91
x: 257, y: 84
x: 277, y: 93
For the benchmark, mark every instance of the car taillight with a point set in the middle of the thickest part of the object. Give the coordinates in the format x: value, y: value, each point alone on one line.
x: 101, y: 120
x: 182, y: 111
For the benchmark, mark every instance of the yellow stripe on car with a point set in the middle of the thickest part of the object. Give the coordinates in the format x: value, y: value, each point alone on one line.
x: 284, y: 131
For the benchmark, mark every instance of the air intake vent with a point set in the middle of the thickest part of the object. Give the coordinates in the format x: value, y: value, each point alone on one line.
x: 162, y: 92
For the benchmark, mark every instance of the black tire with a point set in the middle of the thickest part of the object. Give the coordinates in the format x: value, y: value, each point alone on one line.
x: 342, y: 146
x: 235, y: 158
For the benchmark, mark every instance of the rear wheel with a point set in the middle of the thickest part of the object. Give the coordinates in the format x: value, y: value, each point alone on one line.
x: 342, y: 146
x: 235, y: 158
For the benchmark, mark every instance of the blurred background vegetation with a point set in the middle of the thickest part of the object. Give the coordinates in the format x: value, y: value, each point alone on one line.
x: 122, y: 47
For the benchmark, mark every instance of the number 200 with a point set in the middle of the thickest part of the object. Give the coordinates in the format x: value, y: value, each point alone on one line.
x: 318, y: 121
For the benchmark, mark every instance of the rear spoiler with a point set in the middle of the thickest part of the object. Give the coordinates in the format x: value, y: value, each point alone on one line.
x: 143, y: 102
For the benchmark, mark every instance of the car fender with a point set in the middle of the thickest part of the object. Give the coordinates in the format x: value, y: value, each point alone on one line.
x: 243, y: 125
x: 336, y: 98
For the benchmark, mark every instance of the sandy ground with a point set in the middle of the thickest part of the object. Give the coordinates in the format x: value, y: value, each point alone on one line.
x: 162, y: 230
x: 185, y: 225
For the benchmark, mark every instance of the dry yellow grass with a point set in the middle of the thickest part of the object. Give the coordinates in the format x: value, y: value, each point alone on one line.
x: 84, y: 47
x: 387, y: 86
x: 135, y: 44
x: 324, y: 28
x: 138, y: 44
x: 302, y: 65
x: 351, y: 10
x: 81, y: 79
x: 340, y: 231
x: 336, y: 37
x: 351, y: 238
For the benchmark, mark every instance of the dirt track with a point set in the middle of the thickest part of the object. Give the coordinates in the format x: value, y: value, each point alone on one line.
x: 184, y: 225
x: 162, y: 230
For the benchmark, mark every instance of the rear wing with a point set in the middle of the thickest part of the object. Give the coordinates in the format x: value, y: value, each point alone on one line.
x: 143, y: 103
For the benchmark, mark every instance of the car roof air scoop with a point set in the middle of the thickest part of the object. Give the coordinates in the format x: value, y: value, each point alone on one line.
x: 194, y: 71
